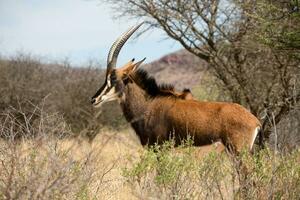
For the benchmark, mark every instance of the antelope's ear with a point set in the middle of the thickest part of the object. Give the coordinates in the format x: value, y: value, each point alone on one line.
x: 130, y: 67
x: 127, y: 66
x: 137, y: 65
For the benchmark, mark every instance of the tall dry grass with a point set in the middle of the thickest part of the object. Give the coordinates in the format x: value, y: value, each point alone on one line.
x: 39, y: 164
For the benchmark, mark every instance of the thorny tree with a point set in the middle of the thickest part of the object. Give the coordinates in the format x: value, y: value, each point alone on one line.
x: 242, y: 41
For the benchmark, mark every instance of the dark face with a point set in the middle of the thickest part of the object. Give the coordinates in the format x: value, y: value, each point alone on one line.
x: 115, y: 82
x: 111, y: 90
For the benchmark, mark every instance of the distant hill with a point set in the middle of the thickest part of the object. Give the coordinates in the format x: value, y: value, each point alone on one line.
x: 180, y: 68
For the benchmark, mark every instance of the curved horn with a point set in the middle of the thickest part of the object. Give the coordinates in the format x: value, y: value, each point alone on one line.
x: 117, y: 46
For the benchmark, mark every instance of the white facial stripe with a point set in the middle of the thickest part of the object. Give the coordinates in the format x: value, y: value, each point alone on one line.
x: 111, y: 94
x: 102, y: 92
x: 108, y: 83
x: 107, y: 96
x: 108, y: 80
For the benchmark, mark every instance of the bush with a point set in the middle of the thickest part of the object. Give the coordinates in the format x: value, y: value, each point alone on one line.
x: 25, y: 83
x: 163, y: 174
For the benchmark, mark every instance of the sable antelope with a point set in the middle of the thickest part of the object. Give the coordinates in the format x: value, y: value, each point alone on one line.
x: 158, y: 113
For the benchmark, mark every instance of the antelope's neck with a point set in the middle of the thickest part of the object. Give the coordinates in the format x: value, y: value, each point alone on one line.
x: 134, y: 103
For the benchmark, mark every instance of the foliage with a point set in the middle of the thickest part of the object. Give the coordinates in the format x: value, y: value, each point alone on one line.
x: 163, y: 174
x: 279, y: 25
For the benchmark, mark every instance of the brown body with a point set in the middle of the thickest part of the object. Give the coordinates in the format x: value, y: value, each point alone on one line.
x: 158, y: 113
x: 156, y: 120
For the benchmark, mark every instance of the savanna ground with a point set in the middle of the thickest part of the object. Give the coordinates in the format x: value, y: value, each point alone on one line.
x: 115, y: 166
x: 54, y: 145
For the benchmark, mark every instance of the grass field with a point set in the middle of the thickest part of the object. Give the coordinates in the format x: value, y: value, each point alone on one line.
x: 115, y: 166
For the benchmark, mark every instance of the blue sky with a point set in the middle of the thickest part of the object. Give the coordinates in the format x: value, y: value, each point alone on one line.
x: 80, y: 30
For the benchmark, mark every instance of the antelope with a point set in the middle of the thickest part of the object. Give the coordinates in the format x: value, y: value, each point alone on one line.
x: 158, y: 113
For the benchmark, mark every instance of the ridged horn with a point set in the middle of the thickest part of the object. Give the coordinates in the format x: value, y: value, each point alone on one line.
x: 117, y: 46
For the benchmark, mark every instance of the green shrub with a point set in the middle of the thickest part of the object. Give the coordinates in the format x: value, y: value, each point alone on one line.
x: 162, y: 173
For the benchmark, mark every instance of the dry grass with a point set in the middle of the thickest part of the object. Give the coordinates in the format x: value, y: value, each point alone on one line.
x: 115, y: 166
x: 37, y: 163
x: 70, y: 168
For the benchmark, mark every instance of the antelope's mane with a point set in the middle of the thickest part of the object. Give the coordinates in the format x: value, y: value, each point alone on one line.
x: 149, y: 84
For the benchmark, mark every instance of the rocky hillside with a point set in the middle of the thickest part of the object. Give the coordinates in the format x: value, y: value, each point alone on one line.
x: 180, y: 68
